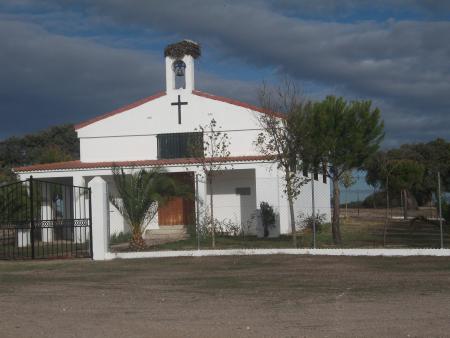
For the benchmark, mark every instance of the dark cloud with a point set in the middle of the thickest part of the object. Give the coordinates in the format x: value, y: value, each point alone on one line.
x: 49, y: 79
x: 350, y: 8
x: 404, y: 66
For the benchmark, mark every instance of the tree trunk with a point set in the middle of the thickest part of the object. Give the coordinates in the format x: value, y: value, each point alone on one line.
x: 213, y: 224
x: 405, y: 204
x: 137, y: 243
x: 335, y: 228
x: 291, y: 211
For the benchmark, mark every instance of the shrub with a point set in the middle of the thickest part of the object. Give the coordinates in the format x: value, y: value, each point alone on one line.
x: 307, y: 222
x: 446, y: 211
x: 120, y: 238
x: 267, y: 217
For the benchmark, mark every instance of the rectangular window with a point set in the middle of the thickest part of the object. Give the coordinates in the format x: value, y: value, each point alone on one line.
x: 316, y: 175
x: 305, y: 172
x: 243, y: 191
x: 180, y: 145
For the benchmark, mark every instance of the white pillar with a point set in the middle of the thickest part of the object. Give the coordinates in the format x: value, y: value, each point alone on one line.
x: 23, y: 238
x: 46, y: 214
x: 170, y: 75
x: 201, y: 200
x: 80, y: 210
x: 100, y: 217
x: 189, y: 73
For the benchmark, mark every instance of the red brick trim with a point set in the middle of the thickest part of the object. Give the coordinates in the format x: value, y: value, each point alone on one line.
x: 119, y: 110
x: 142, y: 163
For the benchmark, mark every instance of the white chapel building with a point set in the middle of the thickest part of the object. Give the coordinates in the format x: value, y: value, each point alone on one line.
x: 153, y: 132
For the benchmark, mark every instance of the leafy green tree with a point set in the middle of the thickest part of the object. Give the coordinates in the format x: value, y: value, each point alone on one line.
x: 13, y: 203
x: 434, y: 156
x: 54, y: 144
x: 345, y: 135
x: 139, y: 195
x: 51, y: 154
x: 404, y: 176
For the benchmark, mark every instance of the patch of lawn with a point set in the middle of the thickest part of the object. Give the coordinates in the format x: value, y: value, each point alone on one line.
x: 365, y: 231
x: 228, y: 242
x: 353, y: 236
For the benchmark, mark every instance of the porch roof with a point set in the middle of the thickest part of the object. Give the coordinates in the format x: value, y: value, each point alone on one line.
x: 77, y: 165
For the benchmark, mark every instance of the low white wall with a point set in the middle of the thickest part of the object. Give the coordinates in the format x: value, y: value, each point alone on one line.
x: 314, y: 252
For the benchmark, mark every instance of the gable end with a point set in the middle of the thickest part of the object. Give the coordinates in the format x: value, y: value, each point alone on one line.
x: 119, y: 110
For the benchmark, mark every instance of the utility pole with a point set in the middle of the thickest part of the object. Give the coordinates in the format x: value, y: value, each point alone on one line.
x: 440, y: 209
x: 197, y: 211
x: 313, y: 213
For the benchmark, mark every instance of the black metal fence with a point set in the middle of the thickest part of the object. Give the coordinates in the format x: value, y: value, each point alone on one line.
x: 40, y: 219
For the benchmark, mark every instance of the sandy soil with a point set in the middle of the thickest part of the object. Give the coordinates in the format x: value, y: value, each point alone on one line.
x: 258, y: 296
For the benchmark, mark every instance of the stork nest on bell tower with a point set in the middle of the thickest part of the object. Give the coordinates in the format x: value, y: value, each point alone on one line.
x: 182, y: 48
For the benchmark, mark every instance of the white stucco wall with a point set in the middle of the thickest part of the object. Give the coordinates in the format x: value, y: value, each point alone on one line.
x: 131, y: 135
x: 230, y: 206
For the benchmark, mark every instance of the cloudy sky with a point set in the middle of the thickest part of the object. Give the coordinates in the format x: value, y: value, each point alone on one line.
x: 63, y: 61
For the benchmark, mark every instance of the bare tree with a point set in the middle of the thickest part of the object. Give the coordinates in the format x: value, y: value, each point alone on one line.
x: 211, y: 154
x: 279, y: 138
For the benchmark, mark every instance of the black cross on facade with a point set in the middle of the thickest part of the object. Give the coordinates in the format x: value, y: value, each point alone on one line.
x: 179, y: 104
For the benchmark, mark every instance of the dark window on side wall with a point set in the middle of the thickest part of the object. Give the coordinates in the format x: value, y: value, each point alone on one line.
x: 316, y: 175
x: 243, y: 191
x: 305, y: 172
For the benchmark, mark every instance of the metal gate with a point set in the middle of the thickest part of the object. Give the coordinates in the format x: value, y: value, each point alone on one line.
x: 43, y: 219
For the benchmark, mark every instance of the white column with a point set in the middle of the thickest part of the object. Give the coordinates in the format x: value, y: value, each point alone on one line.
x: 80, y: 211
x: 23, y: 238
x: 46, y: 214
x: 100, y: 217
x: 189, y: 72
x: 170, y: 75
x: 201, y: 200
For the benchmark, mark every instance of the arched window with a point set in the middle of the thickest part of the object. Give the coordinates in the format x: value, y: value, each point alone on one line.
x: 179, y: 68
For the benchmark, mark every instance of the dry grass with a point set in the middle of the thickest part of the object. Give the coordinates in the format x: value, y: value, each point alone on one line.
x: 257, y: 296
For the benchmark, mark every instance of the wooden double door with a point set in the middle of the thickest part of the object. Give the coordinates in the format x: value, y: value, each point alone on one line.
x: 179, y: 210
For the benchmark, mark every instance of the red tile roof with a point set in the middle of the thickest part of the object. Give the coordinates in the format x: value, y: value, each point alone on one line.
x: 158, y: 95
x: 142, y: 163
x: 119, y: 110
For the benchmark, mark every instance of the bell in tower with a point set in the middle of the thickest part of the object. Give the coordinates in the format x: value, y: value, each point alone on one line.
x: 180, y: 58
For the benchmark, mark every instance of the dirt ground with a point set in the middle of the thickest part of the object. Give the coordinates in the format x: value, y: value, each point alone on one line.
x: 257, y: 296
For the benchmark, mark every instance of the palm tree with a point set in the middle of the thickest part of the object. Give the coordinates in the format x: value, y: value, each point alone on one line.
x: 139, y: 196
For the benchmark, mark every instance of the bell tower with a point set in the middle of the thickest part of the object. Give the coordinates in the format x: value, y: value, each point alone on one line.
x: 180, y: 59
